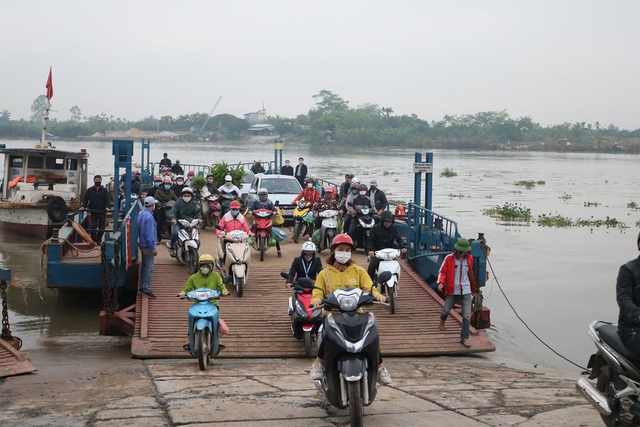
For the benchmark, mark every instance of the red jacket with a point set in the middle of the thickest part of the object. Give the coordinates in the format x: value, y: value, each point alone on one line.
x: 310, y: 195
x: 447, y: 274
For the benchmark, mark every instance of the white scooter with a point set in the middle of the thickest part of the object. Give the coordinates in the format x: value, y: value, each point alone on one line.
x: 238, y: 255
x: 188, y: 244
x: 388, y: 262
x: 329, y: 228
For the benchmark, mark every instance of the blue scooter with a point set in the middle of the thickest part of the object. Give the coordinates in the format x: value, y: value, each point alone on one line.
x: 204, y: 334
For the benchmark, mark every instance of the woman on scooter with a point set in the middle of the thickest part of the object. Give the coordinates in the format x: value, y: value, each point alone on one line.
x: 341, y: 272
x: 305, y: 265
x: 327, y: 202
x: 263, y: 202
x: 206, y: 277
x: 232, y: 221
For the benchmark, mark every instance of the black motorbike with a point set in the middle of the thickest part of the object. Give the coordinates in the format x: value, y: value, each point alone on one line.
x: 162, y: 218
x: 305, y: 321
x: 365, y: 223
x: 617, y: 378
x: 351, y: 350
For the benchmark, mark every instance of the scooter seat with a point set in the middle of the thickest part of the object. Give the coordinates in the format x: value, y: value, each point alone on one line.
x: 609, y: 334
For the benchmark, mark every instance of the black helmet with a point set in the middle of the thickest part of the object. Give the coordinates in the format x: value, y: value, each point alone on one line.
x: 308, y: 180
x: 209, y: 175
x: 386, y: 215
x: 362, y: 187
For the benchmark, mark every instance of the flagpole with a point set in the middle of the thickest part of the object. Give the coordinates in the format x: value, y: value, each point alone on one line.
x: 49, y: 95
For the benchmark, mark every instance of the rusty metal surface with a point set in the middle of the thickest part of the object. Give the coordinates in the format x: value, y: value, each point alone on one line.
x: 12, y: 362
x: 260, y: 327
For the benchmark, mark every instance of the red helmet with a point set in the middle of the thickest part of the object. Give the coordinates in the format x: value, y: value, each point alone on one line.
x: 235, y: 205
x: 329, y: 189
x: 343, y: 238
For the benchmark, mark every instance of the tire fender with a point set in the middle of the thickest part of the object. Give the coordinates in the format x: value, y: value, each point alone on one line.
x: 202, y: 324
x: 57, y: 209
x: 353, y: 369
x: 190, y: 244
x: 238, y: 270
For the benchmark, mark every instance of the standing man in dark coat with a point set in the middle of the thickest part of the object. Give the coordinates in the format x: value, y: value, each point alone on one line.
x: 378, y: 197
x: 287, y: 169
x: 96, y: 201
x: 628, y: 297
x: 177, y: 169
x: 301, y: 171
x: 165, y: 163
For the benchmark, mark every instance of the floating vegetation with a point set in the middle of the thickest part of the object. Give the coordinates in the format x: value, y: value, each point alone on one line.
x: 385, y: 173
x: 554, y: 221
x: 459, y: 196
x: 529, y: 184
x: 489, y: 196
x: 638, y: 223
x: 609, y: 223
x: 396, y: 180
x: 517, y: 191
x: 565, y: 197
x: 448, y: 173
x: 509, y: 212
x: 591, y: 204
x: 632, y: 205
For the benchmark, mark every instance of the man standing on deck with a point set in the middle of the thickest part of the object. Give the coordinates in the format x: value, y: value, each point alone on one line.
x: 287, y: 169
x: 301, y: 171
x: 147, y: 242
x: 627, y: 295
x: 458, y: 283
x: 96, y: 200
x: 165, y: 163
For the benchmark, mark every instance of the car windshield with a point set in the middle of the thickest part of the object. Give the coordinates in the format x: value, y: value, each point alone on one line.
x: 281, y: 186
x: 248, y: 177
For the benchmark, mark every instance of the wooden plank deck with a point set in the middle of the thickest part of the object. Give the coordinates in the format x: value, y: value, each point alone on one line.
x: 259, y: 324
x: 12, y: 362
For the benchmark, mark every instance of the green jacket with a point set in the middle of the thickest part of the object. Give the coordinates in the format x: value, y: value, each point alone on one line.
x: 210, y: 281
x: 182, y: 210
x: 164, y: 196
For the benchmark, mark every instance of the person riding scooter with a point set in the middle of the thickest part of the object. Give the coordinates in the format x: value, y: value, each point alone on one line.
x: 305, y: 265
x: 232, y: 221
x: 263, y: 202
x: 184, y: 208
x: 327, y: 202
x: 210, y: 186
x: 361, y: 201
x: 382, y: 236
x: 342, y: 272
x: 164, y: 194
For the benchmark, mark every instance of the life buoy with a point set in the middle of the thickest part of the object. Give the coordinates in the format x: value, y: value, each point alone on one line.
x: 400, y: 213
x: 14, y: 182
x: 57, y: 209
x: 82, y: 233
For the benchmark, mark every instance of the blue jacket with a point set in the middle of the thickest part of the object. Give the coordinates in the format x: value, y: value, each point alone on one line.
x: 147, y: 229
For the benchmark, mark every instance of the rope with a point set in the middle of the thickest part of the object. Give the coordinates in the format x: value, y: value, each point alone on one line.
x: 525, y: 323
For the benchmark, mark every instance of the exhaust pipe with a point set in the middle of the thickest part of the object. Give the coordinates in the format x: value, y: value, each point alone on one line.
x: 593, y: 396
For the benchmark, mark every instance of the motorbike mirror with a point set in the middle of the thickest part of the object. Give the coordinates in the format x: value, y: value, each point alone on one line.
x: 277, y: 203
x: 284, y: 275
x: 253, y: 191
x: 305, y: 282
x: 228, y: 279
x: 384, y: 276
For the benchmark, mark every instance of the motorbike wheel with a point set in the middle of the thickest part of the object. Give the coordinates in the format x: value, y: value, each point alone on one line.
x: 308, y: 344
x: 356, y: 411
x: 391, y: 298
x: 263, y: 247
x: 296, y: 232
x: 240, y: 286
x: 603, y: 384
x: 192, y: 260
x: 203, y: 338
x: 215, y: 219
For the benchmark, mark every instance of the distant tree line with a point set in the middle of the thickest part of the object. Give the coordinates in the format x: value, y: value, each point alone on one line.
x: 332, y: 120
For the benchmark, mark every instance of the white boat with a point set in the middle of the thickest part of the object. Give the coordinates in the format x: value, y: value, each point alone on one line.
x: 40, y: 185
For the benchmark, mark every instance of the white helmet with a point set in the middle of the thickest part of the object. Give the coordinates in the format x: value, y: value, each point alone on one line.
x: 227, y: 178
x: 309, y: 247
x: 187, y: 190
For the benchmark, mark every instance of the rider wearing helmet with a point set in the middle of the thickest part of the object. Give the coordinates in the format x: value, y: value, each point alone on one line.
x: 305, y: 265
x: 327, y: 202
x: 341, y: 272
x: 185, y: 207
x: 231, y: 221
x: 178, y: 185
x: 211, y: 187
x: 157, y: 182
x: 205, y: 277
x: 263, y: 202
x: 309, y: 192
x: 361, y: 201
x: 383, y: 235
x: 228, y: 191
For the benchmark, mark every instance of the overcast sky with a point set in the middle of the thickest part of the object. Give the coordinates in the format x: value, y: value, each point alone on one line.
x: 556, y: 61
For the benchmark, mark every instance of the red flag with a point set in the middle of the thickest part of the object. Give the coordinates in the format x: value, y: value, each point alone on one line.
x: 49, y: 86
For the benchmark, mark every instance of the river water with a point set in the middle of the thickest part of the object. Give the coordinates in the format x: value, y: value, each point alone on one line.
x: 556, y: 279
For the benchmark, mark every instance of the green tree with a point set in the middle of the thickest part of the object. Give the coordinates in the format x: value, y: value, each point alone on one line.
x: 38, y: 108
x: 329, y: 102
x: 5, y: 116
x: 76, y: 114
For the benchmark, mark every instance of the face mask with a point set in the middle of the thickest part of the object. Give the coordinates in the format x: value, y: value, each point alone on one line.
x: 234, y: 212
x: 156, y: 184
x: 205, y: 270
x: 373, y: 187
x: 362, y: 193
x: 300, y: 161
x: 309, y: 185
x: 98, y: 183
x: 228, y: 183
x: 387, y: 224
x: 167, y: 187
x: 342, y: 256
x: 186, y: 199
x: 308, y: 257
x: 179, y: 182
x: 210, y: 181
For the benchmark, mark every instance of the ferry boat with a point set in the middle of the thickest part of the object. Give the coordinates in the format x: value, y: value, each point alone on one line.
x: 40, y: 185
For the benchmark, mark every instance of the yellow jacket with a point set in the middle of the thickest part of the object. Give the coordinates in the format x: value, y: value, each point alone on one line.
x: 354, y: 275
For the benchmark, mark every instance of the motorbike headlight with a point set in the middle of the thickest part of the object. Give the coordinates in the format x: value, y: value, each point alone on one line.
x: 203, y: 295
x: 349, y: 302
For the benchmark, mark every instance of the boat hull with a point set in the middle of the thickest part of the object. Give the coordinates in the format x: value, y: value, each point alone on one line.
x: 31, y: 221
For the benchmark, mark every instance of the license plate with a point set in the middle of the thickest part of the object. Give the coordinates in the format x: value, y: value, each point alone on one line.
x: 287, y: 212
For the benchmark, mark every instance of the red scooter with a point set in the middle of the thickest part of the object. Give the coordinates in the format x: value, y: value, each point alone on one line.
x: 262, y: 230
x: 305, y: 321
x: 212, y: 213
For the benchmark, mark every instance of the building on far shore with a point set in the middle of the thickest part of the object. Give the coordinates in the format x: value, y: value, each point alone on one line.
x: 261, y: 129
x: 259, y: 116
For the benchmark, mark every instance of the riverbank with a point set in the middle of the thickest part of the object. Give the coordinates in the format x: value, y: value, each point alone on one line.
x: 100, y: 385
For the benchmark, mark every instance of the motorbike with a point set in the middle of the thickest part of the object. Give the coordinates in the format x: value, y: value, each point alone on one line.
x: 365, y: 224
x: 352, y: 351
x: 211, y: 211
x: 204, y: 336
x: 305, y: 321
x: 225, y: 201
x: 617, y: 373
x: 164, y: 221
x: 328, y: 229
x: 188, y: 244
x: 238, y: 255
x: 300, y: 225
x: 388, y: 262
x: 263, y: 227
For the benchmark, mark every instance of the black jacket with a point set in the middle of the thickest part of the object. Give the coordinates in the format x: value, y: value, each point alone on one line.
x: 628, y: 297
x: 97, y: 200
x: 379, y: 199
x: 298, y: 266
x: 381, y: 238
x: 286, y: 170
